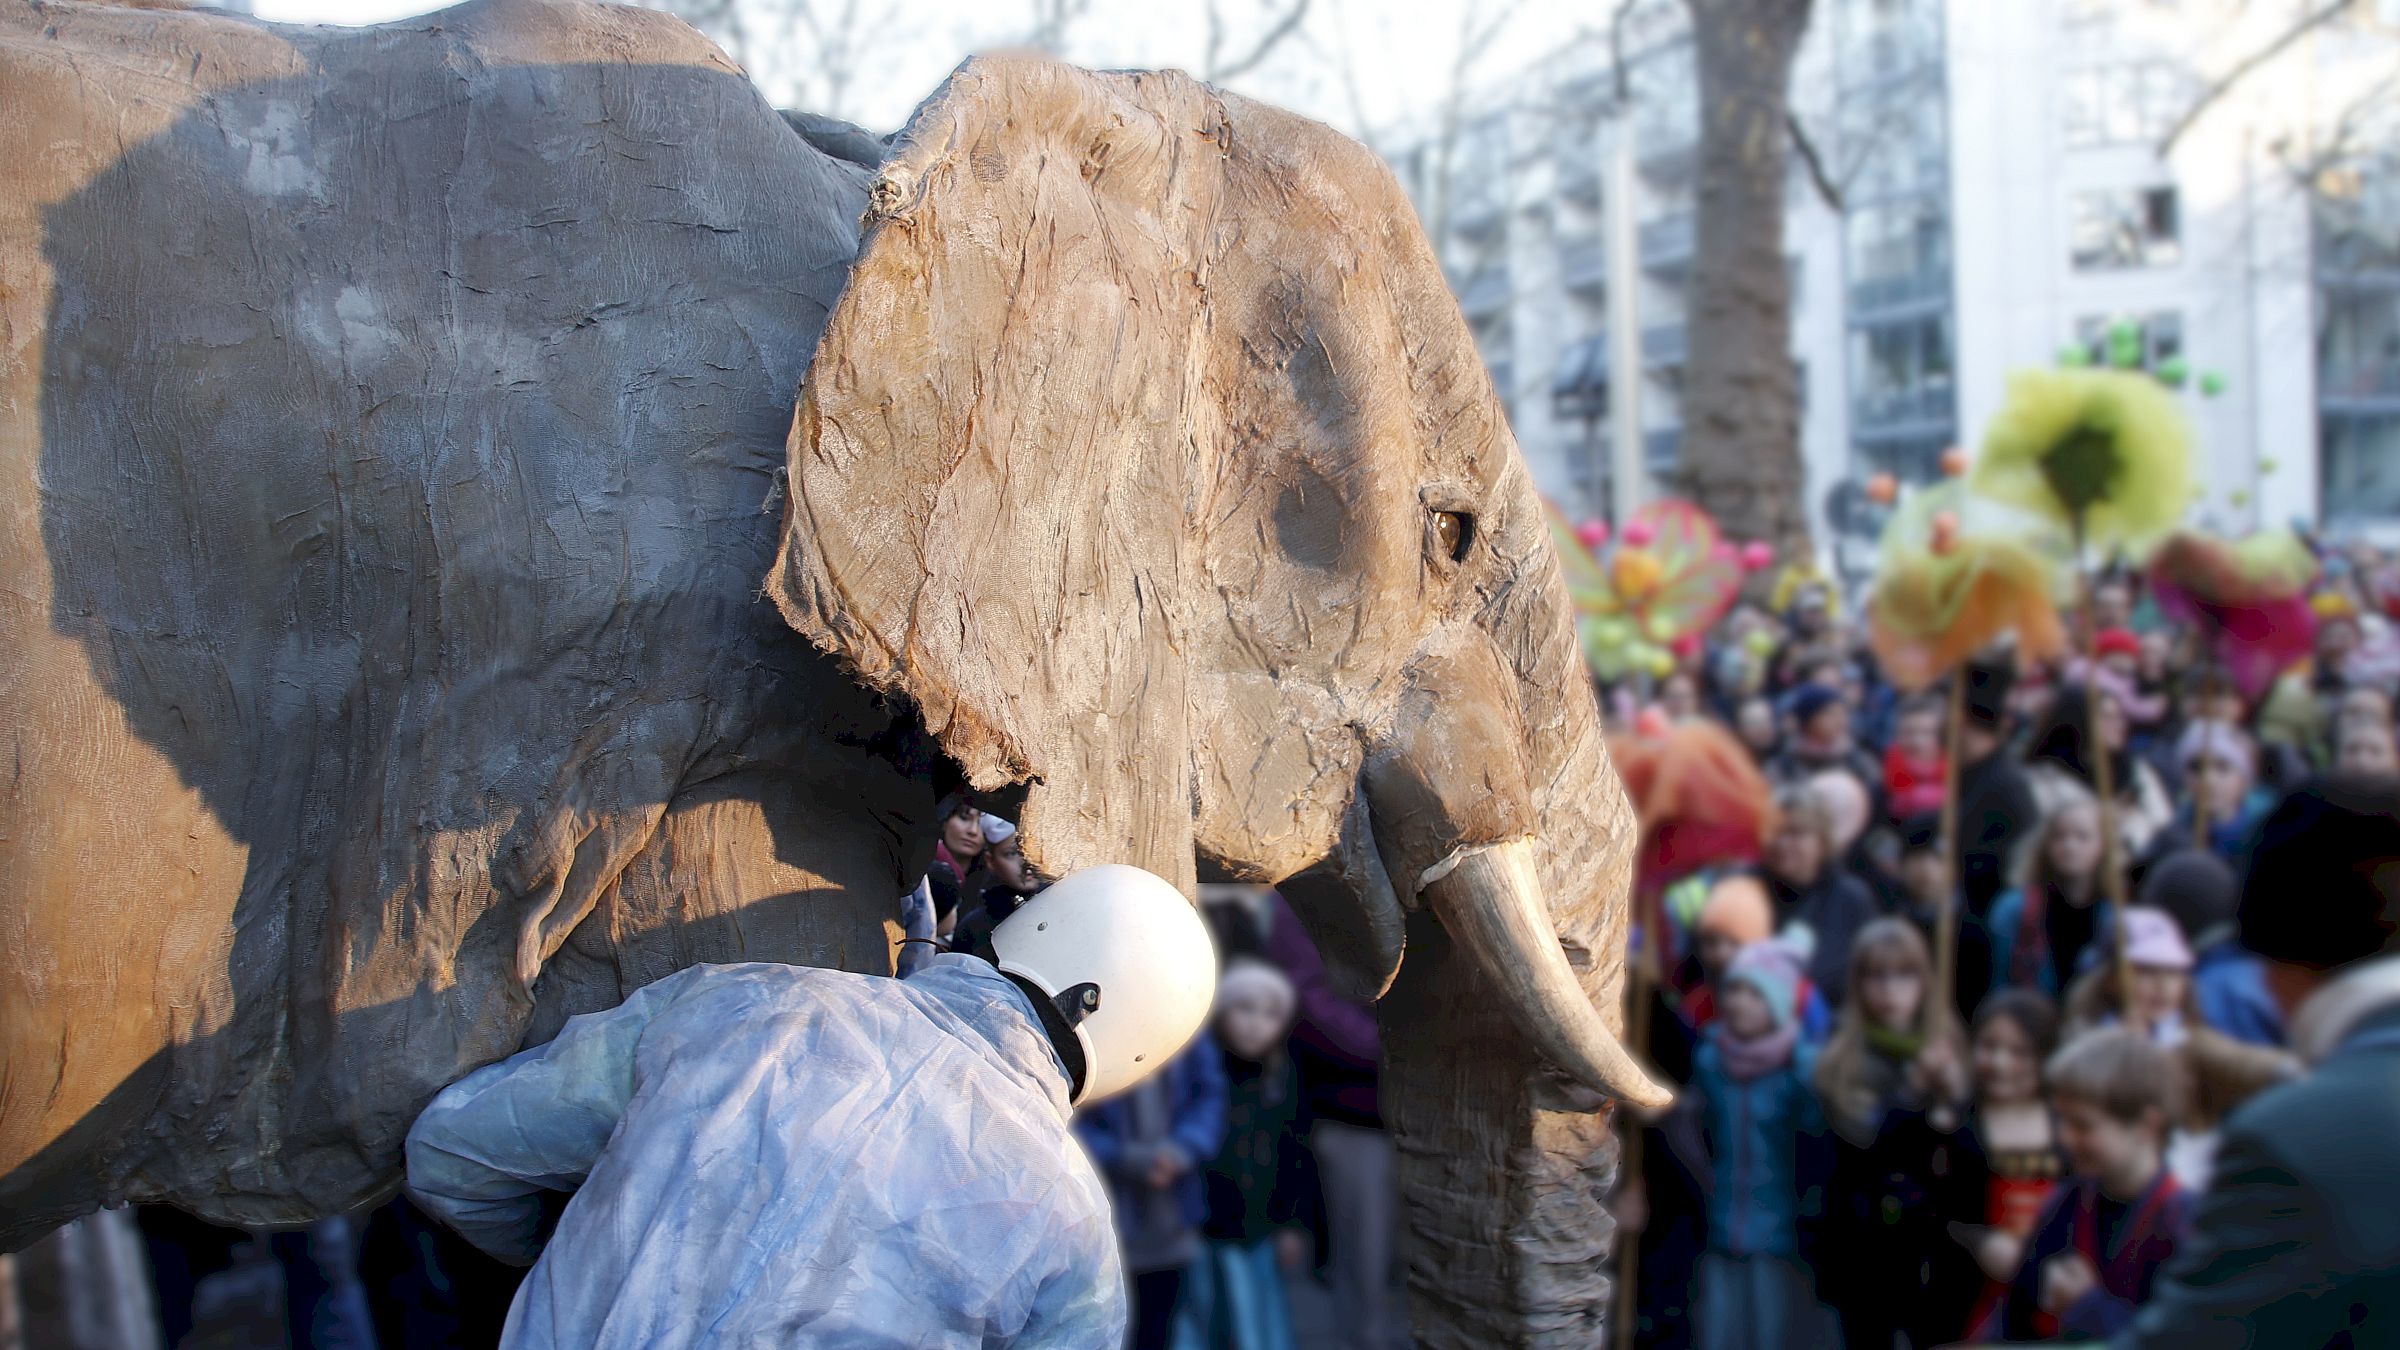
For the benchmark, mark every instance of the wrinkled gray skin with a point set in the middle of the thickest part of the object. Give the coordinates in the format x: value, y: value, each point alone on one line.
x: 401, y: 425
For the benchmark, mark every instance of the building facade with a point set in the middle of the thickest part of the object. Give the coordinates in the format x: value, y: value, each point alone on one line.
x: 2002, y: 198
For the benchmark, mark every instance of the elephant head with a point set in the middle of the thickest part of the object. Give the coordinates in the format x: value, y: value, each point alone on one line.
x: 1147, y: 453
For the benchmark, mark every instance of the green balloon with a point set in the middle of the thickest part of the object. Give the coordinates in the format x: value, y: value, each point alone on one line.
x: 2173, y: 371
x: 2124, y: 344
x: 2074, y: 354
x: 2211, y: 383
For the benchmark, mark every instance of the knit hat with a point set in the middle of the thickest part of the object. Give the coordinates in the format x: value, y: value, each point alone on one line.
x: 1770, y: 968
x: 2196, y: 889
x: 2152, y: 939
x: 1810, y: 699
x: 2217, y: 740
x: 1738, y: 908
x: 1248, y: 977
x: 2323, y: 885
x: 996, y: 830
x: 2117, y: 642
x: 1846, y: 805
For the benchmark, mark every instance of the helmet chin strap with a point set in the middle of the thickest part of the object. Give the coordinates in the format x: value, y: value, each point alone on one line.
x: 1059, y: 1026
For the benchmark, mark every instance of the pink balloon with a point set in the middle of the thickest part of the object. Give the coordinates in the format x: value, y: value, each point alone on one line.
x: 1652, y: 722
x: 1592, y: 533
x: 1639, y: 533
x: 1721, y: 551
x: 1757, y: 555
x: 1685, y: 646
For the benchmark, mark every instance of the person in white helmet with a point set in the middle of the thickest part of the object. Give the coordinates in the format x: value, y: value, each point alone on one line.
x: 784, y: 1155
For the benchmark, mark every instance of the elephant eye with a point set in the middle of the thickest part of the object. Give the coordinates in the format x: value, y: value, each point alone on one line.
x: 1453, y: 533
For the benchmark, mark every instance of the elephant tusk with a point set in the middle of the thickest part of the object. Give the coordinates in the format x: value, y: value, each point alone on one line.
x: 1489, y: 900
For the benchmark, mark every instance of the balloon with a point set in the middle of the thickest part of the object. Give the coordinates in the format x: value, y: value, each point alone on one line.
x: 1611, y: 633
x: 1592, y: 534
x: 2173, y: 371
x: 2075, y: 354
x: 1638, y: 533
x: 1761, y: 642
x: 1723, y: 551
x: 1659, y: 662
x: 1882, y: 489
x: 1945, y: 533
x: 2268, y: 464
x: 2125, y: 344
x: 1954, y: 462
x: 1758, y: 555
x: 1685, y: 646
x: 2211, y: 383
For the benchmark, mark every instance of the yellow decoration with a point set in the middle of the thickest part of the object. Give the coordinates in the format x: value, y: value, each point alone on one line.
x: 2106, y: 453
x: 1945, y: 592
x: 1637, y: 572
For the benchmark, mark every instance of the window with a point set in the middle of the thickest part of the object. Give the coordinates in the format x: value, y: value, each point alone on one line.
x: 1899, y: 252
x: 2358, y: 217
x: 1902, y: 372
x: 2361, y: 468
x: 2119, y: 228
x: 2358, y: 343
x: 2127, y: 104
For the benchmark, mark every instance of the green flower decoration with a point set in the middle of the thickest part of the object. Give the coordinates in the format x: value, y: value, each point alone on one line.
x: 2173, y: 371
x: 2125, y: 344
x: 2103, y: 452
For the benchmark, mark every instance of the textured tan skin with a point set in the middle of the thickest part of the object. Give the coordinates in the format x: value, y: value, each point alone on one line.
x: 390, y: 426
x: 1119, y: 458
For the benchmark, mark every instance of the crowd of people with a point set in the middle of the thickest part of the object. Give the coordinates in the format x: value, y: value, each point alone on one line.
x: 1931, y: 1092
x: 1940, y: 1093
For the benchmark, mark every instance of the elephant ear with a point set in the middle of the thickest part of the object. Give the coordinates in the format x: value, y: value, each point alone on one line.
x: 989, y: 462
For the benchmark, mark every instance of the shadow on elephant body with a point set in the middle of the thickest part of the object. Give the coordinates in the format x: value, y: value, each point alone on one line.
x: 409, y: 437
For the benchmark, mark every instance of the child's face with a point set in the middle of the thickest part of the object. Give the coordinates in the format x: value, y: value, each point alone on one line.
x: 1796, y: 852
x: 1252, y: 1024
x: 1831, y: 723
x: 2004, y: 1069
x: 1925, y: 875
x: 2219, y: 781
x: 2098, y: 1144
x: 1919, y: 735
x: 2158, y: 994
x: 1757, y: 723
x: 1717, y: 951
x: 1680, y: 696
x: 2368, y: 750
x: 1891, y: 991
x: 2364, y: 704
x: 2074, y: 849
x: 1008, y: 863
x: 1747, y: 1016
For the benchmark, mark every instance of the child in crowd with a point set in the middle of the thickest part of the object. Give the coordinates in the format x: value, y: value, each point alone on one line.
x: 1235, y: 1300
x: 2153, y: 997
x: 2044, y: 931
x: 1149, y: 1145
x: 1758, y: 726
x: 1896, y: 1056
x: 1924, y: 869
x: 2223, y: 800
x: 1751, y: 1079
x: 2009, y: 1161
x: 1808, y: 885
x: 2101, y: 1241
x: 1738, y: 914
x: 929, y: 914
x: 2367, y: 749
x: 2229, y: 983
x: 1913, y: 766
x: 1012, y: 881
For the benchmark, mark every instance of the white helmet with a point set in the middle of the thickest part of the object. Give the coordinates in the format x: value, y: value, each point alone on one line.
x: 1126, y: 961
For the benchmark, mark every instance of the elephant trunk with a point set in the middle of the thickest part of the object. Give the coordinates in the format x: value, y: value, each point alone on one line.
x: 1453, y: 812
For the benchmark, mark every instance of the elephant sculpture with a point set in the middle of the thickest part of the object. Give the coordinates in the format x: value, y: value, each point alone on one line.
x: 496, y: 515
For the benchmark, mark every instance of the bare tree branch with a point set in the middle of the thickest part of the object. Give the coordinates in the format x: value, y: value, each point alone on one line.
x: 1288, y: 24
x: 2224, y: 83
x: 1827, y: 189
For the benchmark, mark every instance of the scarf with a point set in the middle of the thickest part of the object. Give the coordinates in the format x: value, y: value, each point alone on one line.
x: 1750, y: 1060
x: 1899, y: 1046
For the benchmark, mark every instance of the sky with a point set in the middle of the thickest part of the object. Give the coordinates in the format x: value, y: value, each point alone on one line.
x: 1354, y: 63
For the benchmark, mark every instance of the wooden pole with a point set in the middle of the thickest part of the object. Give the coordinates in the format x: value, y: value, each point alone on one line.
x: 2112, y: 848
x: 1945, y: 933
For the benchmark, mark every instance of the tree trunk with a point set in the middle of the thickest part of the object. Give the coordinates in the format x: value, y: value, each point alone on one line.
x: 1741, y: 397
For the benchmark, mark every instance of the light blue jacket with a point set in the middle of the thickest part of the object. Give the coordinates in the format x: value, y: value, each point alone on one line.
x: 1757, y: 1136
x: 769, y: 1155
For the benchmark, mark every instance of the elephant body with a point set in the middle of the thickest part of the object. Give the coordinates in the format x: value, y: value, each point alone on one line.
x: 497, y: 514
x: 392, y: 434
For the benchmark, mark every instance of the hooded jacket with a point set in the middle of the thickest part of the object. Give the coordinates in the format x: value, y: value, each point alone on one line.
x: 780, y: 1155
